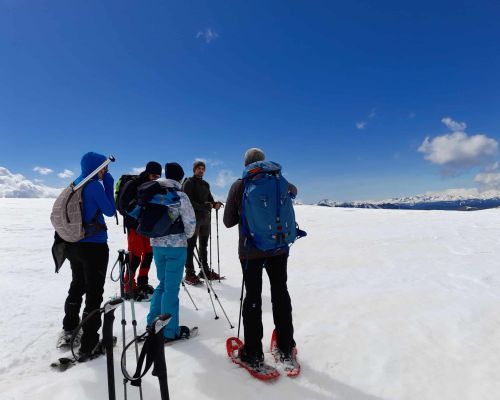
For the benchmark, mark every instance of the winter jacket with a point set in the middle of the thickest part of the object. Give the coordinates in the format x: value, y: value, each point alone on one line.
x: 185, y: 210
x: 199, y: 194
x: 232, y: 217
x: 97, y: 196
x: 128, y: 199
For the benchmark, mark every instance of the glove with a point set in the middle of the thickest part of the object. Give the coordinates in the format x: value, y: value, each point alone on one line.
x: 108, y: 182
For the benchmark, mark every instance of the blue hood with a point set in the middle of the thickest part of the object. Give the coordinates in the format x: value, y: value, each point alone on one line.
x: 90, y: 161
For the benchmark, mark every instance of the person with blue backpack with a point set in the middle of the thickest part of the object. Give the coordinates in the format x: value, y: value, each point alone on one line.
x: 261, y: 205
x: 89, y: 257
x: 170, y: 250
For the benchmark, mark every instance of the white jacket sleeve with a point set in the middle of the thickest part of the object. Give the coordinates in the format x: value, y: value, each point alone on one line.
x: 187, y: 215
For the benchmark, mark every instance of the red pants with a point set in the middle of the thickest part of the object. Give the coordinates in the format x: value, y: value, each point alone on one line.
x: 141, y: 255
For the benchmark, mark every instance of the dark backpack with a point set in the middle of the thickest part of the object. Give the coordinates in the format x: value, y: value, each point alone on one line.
x: 267, y: 215
x: 157, y: 211
x: 120, y: 189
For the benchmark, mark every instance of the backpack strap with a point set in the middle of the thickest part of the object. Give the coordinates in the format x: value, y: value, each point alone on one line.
x: 94, y: 226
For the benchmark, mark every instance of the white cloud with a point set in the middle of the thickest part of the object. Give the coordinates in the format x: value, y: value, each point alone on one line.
x: 208, y: 35
x: 458, y: 151
x: 488, y: 180
x: 492, y: 167
x: 361, y: 125
x: 65, y: 174
x: 224, y: 178
x: 209, y: 161
x: 43, y: 170
x: 16, y: 185
x: 137, y: 170
x: 454, y: 126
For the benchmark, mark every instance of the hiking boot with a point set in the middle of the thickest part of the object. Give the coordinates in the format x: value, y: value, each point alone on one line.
x: 192, y: 279
x: 184, y: 333
x: 254, y: 360
x: 64, y: 339
x: 211, y: 275
x: 97, y: 351
x: 146, y: 288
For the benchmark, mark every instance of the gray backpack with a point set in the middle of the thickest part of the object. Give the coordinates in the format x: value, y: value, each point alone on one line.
x: 66, y: 216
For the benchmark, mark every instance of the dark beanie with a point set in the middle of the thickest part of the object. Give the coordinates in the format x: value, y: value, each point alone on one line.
x: 153, y: 167
x: 174, y: 171
x: 197, y: 164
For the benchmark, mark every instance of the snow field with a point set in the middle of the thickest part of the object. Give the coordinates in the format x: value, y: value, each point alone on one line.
x: 386, y: 304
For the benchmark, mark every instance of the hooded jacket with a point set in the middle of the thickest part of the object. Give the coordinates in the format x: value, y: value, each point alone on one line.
x: 97, y: 196
x: 186, y: 212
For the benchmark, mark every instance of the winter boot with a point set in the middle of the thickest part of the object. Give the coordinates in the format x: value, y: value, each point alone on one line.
x: 192, y: 279
x: 64, y: 339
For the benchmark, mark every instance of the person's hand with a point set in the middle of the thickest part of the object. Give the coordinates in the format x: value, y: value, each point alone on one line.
x: 108, y: 182
x: 217, y: 205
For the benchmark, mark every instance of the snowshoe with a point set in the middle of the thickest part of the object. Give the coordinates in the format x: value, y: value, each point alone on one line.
x: 211, y: 275
x: 185, y: 334
x: 64, y: 363
x: 256, y: 366
x: 287, y: 361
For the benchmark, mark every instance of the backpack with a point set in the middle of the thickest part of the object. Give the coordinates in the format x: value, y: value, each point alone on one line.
x: 267, y: 215
x: 119, y: 189
x: 157, y: 210
x: 67, y: 216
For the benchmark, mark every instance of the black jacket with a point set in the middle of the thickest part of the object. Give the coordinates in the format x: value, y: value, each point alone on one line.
x: 199, y: 194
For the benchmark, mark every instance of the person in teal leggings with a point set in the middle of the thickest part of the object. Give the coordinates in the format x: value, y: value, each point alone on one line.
x: 169, y: 253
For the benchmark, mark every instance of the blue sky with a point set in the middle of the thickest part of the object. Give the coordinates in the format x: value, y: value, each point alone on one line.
x: 343, y: 94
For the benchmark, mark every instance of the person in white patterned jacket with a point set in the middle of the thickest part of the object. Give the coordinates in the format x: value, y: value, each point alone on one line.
x: 169, y: 253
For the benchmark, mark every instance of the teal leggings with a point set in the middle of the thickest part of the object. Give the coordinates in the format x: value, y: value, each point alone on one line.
x: 169, y: 268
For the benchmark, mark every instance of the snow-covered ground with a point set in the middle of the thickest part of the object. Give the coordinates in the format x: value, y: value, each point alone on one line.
x: 386, y: 304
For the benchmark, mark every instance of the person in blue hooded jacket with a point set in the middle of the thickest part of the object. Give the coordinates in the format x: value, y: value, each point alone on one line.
x: 89, y: 257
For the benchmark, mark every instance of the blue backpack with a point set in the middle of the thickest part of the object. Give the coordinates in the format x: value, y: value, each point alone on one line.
x: 155, y: 211
x: 267, y: 215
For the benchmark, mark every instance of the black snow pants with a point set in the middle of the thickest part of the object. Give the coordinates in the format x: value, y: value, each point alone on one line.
x: 89, y: 262
x: 276, y: 268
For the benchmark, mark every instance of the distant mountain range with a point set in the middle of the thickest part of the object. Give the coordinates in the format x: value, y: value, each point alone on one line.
x: 453, y: 199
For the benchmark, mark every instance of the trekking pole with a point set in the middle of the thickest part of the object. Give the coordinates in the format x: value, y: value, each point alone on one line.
x: 160, y: 366
x: 241, y: 304
x: 217, y: 225
x: 209, y: 286
x: 184, y: 286
x: 121, y: 260
x: 206, y: 280
x: 152, y: 354
x: 132, y: 307
x: 107, y: 337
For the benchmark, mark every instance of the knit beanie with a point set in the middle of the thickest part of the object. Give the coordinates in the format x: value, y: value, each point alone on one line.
x: 153, y: 168
x: 198, y: 163
x: 174, y: 171
x: 253, y: 155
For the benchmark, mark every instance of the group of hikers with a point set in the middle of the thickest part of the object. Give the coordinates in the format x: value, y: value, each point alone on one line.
x: 189, y: 230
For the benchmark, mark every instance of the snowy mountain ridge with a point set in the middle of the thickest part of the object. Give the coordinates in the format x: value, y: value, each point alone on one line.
x: 452, y: 199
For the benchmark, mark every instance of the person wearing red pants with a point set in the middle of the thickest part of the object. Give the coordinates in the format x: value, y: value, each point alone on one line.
x: 139, y: 247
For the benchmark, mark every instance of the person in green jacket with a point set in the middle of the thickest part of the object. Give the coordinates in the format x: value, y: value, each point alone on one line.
x: 198, y: 191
